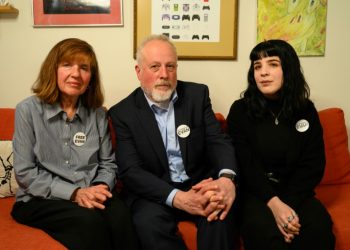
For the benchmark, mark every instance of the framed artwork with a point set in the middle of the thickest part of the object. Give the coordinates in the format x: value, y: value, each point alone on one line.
x: 301, y: 23
x: 77, y: 13
x: 201, y: 29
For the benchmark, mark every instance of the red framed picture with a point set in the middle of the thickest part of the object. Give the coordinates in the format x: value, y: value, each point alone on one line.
x: 77, y: 13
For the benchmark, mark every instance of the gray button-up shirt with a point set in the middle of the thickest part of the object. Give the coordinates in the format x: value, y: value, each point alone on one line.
x: 54, y: 155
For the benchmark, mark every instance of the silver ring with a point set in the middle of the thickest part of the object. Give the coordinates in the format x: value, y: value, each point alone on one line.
x: 290, y: 218
x: 285, y: 226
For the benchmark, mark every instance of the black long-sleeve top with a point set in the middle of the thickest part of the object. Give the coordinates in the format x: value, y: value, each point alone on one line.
x: 296, y: 158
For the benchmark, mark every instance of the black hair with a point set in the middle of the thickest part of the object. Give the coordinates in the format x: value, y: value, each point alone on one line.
x: 294, y: 92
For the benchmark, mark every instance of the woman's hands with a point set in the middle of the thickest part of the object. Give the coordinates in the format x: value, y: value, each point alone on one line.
x: 92, y: 197
x: 286, y: 218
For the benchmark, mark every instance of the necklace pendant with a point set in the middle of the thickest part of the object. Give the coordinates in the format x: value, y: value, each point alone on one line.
x: 276, y: 117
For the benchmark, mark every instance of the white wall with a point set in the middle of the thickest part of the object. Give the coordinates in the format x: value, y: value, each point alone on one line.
x: 23, y: 48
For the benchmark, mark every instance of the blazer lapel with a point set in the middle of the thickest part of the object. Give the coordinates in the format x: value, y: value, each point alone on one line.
x: 181, y: 118
x: 150, y: 127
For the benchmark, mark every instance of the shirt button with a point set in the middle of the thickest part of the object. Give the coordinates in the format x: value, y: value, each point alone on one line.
x: 66, y: 143
x: 67, y: 162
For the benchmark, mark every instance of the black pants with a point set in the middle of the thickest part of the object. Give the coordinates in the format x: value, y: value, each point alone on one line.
x: 260, y: 232
x: 78, y: 227
x: 156, y: 226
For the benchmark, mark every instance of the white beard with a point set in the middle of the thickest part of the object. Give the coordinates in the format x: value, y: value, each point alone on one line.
x: 160, y: 96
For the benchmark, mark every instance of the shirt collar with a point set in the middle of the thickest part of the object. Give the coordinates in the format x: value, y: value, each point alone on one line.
x: 154, y: 105
x: 56, y: 110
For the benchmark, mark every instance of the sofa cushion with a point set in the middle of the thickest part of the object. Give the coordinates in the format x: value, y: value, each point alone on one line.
x: 15, y: 236
x: 336, y: 145
x: 7, y: 118
x: 336, y: 198
x: 222, y: 120
x: 188, y: 231
x: 8, y: 184
x: 7, y: 121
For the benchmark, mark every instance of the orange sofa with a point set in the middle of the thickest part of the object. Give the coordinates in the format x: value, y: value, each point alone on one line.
x: 333, y: 191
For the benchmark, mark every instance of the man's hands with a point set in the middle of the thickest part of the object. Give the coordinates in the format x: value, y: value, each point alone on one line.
x: 209, y: 198
x: 92, y: 197
x: 221, y: 193
x: 286, y: 218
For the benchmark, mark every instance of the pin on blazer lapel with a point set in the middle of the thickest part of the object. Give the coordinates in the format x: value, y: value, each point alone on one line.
x: 181, y: 118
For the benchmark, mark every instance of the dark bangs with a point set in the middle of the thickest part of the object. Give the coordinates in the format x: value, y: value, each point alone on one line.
x: 264, y: 49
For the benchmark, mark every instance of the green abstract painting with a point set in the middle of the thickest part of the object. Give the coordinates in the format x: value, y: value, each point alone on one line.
x: 302, y: 23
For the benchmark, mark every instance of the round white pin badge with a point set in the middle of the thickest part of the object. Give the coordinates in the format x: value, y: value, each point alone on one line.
x: 302, y: 125
x: 79, y: 139
x: 183, y: 131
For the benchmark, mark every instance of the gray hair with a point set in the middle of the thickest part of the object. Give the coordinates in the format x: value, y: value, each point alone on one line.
x: 163, y: 38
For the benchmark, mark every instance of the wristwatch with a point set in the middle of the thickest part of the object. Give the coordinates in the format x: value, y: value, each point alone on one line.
x: 232, y: 177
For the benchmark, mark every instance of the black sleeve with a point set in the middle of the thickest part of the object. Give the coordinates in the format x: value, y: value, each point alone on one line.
x: 310, y: 165
x: 219, y: 146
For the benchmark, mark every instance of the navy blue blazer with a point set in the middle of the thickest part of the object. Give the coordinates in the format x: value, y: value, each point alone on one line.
x: 140, y: 152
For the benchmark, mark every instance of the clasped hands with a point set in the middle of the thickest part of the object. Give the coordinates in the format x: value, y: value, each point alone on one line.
x: 92, y: 197
x: 286, y: 218
x: 209, y: 198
